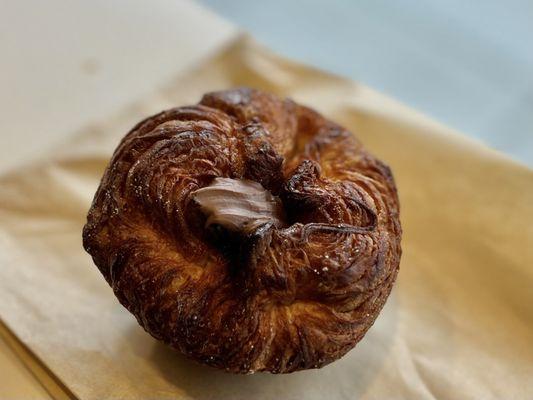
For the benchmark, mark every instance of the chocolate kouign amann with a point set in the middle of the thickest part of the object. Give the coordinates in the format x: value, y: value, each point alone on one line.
x: 248, y: 232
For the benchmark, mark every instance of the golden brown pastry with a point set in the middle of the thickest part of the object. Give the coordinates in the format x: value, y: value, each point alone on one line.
x: 248, y: 232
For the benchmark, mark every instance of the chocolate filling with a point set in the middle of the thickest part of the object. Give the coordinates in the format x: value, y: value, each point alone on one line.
x: 239, y: 206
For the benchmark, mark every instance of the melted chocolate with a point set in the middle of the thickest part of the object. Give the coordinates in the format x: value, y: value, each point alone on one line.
x: 238, y: 205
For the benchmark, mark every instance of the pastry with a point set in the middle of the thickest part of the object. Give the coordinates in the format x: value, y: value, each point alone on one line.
x: 248, y: 232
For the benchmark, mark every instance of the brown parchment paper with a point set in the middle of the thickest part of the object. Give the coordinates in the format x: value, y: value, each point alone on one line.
x: 457, y: 325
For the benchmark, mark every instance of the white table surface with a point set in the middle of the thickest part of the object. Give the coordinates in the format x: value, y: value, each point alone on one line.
x: 468, y: 64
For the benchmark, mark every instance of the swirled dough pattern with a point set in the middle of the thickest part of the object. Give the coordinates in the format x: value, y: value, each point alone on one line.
x: 248, y: 232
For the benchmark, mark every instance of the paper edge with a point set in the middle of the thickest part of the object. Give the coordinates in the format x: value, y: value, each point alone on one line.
x: 44, y: 376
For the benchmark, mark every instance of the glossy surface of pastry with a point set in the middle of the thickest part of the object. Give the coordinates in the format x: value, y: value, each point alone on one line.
x: 248, y: 232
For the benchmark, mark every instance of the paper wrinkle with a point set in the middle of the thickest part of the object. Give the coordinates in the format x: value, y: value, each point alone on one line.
x: 410, y: 372
x: 457, y: 325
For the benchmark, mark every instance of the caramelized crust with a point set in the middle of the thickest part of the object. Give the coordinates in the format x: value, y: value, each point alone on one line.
x: 291, y: 291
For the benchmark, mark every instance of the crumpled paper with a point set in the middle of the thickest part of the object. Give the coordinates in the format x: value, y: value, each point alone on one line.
x: 457, y: 325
